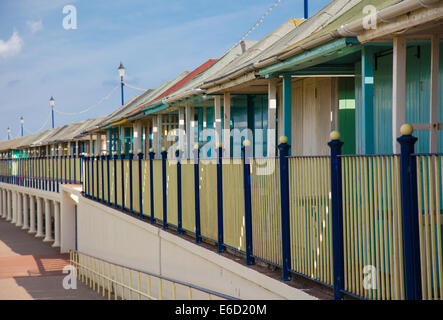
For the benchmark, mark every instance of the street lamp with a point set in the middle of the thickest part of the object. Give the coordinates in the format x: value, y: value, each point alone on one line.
x: 52, y: 103
x: 9, y: 133
x: 121, y: 73
x: 22, y: 121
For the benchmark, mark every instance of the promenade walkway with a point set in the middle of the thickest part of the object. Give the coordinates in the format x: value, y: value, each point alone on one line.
x: 31, y: 269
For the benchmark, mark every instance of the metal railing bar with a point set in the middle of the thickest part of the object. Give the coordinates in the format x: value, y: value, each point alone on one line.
x: 186, y: 284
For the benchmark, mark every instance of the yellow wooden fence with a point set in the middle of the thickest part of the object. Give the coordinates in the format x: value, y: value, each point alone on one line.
x: 429, y: 183
x: 266, y: 211
x: 208, y: 200
x: 372, y: 227
x: 310, y: 217
x: 233, y: 204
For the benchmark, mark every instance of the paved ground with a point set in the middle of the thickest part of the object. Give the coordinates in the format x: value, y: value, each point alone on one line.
x: 31, y: 269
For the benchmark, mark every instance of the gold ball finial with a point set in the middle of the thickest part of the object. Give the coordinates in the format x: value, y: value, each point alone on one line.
x: 246, y: 143
x: 220, y: 145
x: 139, y: 151
x: 196, y: 147
x: 179, y: 148
x: 406, y: 129
x: 163, y: 149
x: 130, y: 151
x: 334, y: 135
x: 283, y: 139
x: 151, y: 150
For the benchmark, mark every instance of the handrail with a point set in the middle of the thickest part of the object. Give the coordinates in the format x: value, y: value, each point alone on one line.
x: 160, y: 277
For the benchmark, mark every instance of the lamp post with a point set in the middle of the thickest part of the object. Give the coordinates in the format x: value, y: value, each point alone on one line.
x: 121, y: 72
x: 9, y: 133
x: 52, y: 103
x: 22, y: 121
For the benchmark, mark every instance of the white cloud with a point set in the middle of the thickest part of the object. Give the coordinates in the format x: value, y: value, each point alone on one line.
x: 11, y: 47
x: 35, y: 25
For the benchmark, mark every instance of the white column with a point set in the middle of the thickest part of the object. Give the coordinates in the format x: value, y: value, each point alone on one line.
x: 32, y: 214
x: 25, y: 212
x: 227, y: 125
x: 69, y: 149
x: 272, y: 110
x: 77, y: 153
x: 104, y: 142
x: 217, y: 120
x: 56, y: 224
x: 9, y: 204
x: 154, y: 134
x: 4, y: 205
x: 1, y: 203
x: 137, y: 136
x: 189, y: 115
x: 48, y: 231
x: 39, y: 218
x: 14, y: 207
x: 122, y: 139
x: 158, y: 141
x: 398, y: 90
x: 181, y: 126
x: 19, y: 210
x: 433, y: 118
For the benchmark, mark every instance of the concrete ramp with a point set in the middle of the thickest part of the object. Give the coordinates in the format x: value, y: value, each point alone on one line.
x: 103, y: 232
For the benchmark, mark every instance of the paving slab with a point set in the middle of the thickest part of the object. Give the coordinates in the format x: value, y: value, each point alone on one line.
x: 31, y: 269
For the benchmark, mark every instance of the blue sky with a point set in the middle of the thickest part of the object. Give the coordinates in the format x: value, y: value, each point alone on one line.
x: 155, y: 39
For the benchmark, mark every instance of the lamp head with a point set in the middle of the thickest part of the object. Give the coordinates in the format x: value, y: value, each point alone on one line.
x: 121, y: 71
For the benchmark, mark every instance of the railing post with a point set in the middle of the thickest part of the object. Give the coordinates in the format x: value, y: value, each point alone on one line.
x: 69, y: 161
x: 140, y: 183
x: 115, y: 179
x: 122, y: 166
x: 409, y: 204
x: 86, y: 172
x: 108, y: 178
x: 22, y: 161
x: 97, y: 184
x: 66, y: 171
x: 82, y: 164
x: 19, y: 182
x: 151, y: 182
x: 81, y: 168
x: 40, y: 172
x: 32, y: 172
x: 61, y: 169
x: 53, y: 174
x: 131, y: 199
x: 56, y: 172
x: 103, y: 157
x: 164, y: 155
x: 178, y: 154
x: 246, y: 151
x: 75, y: 168
x: 220, y: 198
x: 92, y: 175
x: 284, y: 192
x: 197, y: 193
x: 46, y: 172
x: 337, y: 215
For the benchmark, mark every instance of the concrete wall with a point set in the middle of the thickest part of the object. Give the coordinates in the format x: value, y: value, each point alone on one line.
x: 110, y: 235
